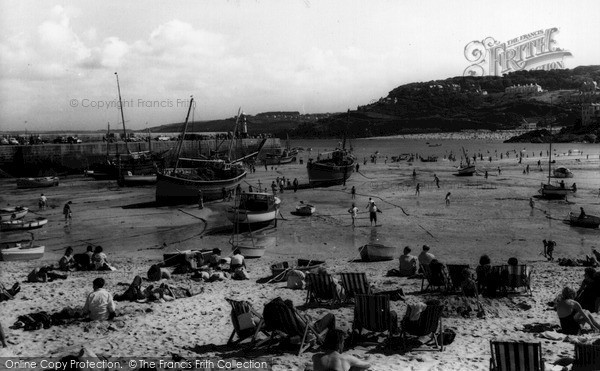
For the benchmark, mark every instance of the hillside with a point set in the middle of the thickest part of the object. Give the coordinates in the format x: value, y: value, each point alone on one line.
x: 453, y: 104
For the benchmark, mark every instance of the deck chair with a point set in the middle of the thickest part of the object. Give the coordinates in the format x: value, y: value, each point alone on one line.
x: 516, y: 356
x: 355, y: 284
x: 372, y: 313
x: 517, y: 276
x: 455, y: 272
x: 429, y: 323
x: 441, y: 282
x: 587, y: 357
x: 287, y: 323
x: 243, y: 317
x: 321, y: 288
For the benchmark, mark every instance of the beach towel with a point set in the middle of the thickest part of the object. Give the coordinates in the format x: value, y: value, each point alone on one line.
x: 416, y: 310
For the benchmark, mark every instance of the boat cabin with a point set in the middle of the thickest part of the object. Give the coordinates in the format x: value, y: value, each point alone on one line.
x: 257, y: 201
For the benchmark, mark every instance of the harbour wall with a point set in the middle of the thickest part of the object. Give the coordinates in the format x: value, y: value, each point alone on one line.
x: 45, y: 159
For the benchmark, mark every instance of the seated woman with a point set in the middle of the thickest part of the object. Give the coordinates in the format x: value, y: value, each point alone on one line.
x: 588, y: 295
x: 99, y: 260
x: 438, y: 273
x: 571, y: 315
x: 214, y: 260
x: 67, y: 262
x: 237, y: 260
x: 483, y: 271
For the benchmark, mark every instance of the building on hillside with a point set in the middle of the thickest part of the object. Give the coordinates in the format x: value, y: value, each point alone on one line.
x: 523, y: 89
x: 529, y: 124
x: 590, y: 114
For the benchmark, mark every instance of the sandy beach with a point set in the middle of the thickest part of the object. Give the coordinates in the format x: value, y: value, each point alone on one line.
x: 485, y: 216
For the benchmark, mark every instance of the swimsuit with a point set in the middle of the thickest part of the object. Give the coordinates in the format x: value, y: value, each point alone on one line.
x: 569, y: 325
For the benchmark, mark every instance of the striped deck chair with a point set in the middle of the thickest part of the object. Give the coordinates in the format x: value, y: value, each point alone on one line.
x: 244, y: 317
x: 355, y: 284
x: 441, y: 282
x: 587, y: 357
x: 517, y: 276
x: 429, y: 323
x: 322, y: 288
x: 372, y: 313
x: 516, y: 356
x: 455, y: 271
x: 288, y: 323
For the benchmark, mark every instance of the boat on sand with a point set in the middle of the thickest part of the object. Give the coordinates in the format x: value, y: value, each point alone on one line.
x: 21, y: 250
x: 20, y: 224
x: 12, y: 213
x: 49, y: 181
x: 254, y: 208
x: 587, y: 221
x: 304, y: 209
x: 373, y: 252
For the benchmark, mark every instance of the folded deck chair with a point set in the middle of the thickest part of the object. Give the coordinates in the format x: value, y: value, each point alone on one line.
x: 514, y: 277
x: 441, y: 281
x: 322, y: 289
x: 455, y: 272
x: 516, y: 356
x: 372, y: 313
x: 429, y: 323
x: 247, y: 323
x: 280, y: 319
x: 587, y: 357
x: 355, y: 284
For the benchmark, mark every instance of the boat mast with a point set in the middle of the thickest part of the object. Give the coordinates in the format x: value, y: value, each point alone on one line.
x: 347, y: 124
x: 550, y: 155
x: 183, y: 135
x: 122, y: 116
x: 233, y: 137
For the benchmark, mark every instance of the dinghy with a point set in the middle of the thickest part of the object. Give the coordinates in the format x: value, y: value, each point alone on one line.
x: 20, y: 224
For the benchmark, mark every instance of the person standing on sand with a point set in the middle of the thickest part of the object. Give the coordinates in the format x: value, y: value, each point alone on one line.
x: 531, y: 202
x: 437, y: 180
x: 414, y: 173
x: 42, y: 201
x: 200, y: 199
x: 357, y: 167
x: 295, y: 183
x: 418, y: 189
x: 448, y: 199
x: 499, y: 171
x: 372, y: 211
x: 333, y: 359
x: 274, y: 187
x: 353, y: 213
x: 486, y: 174
x: 67, y: 212
x: 353, y: 192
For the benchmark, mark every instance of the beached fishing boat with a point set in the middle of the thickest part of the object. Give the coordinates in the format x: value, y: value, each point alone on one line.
x: 49, y: 181
x: 208, y: 177
x: 303, y: 265
x: 373, y: 252
x: 587, y: 221
x: 562, y: 172
x: 553, y: 191
x: 253, y: 247
x: 20, y: 224
x: 21, y: 250
x: 12, y: 213
x: 283, y: 156
x: 254, y: 208
x: 467, y: 169
x: 333, y: 168
x: 305, y: 209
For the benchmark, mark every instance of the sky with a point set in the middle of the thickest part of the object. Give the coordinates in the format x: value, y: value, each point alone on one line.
x: 58, y: 59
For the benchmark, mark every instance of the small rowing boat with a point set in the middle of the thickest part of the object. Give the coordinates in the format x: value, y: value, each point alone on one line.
x: 12, y: 213
x: 254, y: 247
x: 20, y: 224
x: 21, y: 250
x: 373, y: 252
x: 49, y: 181
x: 305, y: 209
x: 586, y: 221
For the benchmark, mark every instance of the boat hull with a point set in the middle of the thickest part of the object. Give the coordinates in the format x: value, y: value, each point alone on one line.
x: 328, y: 174
x: 22, y: 253
x: 255, y: 247
x: 589, y: 221
x: 139, y: 180
x: 12, y: 213
x: 279, y: 160
x: 376, y: 252
x: 171, y: 189
x: 553, y: 192
x: 14, y: 225
x: 306, y: 210
x: 250, y: 217
x: 37, y: 182
x: 466, y: 170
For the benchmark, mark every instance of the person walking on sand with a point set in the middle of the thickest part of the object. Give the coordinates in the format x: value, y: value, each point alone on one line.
x: 418, y: 189
x: 531, y: 202
x: 448, y: 199
x: 437, y: 180
x: 486, y: 174
x: 550, y: 249
x: 67, y: 212
x: 414, y: 173
x: 42, y: 202
x: 353, y: 213
x: 499, y: 171
x: 353, y: 192
x: 295, y: 183
x: 274, y: 187
x: 544, y: 252
x: 200, y: 199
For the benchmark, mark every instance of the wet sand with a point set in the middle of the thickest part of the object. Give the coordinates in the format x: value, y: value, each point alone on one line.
x: 485, y: 216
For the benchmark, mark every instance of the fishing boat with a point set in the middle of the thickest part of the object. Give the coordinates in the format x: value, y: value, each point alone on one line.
x: 282, y: 156
x: 304, y: 265
x: 548, y: 190
x: 21, y: 250
x: 207, y: 177
x: 467, y: 169
x: 49, y: 181
x: 305, y: 209
x: 373, y: 252
x: 20, y: 224
x: 254, y: 208
x: 562, y: 172
x: 586, y: 221
x: 12, y: 213
x: 429, y: 159
x: 334, y: 168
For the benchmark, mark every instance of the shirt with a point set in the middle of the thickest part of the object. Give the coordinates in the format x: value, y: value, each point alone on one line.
x: 237, y: 259
x: 425, y: 258
x: 372, y: 208
x: 353, y: 211
x: 99, y: 304
x: 408, y: 265
x: 99, y: 260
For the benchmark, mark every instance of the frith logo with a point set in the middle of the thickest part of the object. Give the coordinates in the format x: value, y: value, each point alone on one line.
x: 533, y: 51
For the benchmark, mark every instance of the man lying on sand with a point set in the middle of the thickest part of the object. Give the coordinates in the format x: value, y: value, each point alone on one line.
x: 333, y: 359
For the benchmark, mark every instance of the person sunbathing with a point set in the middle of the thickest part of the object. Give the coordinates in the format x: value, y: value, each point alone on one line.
x: 572, y: 317
x: 133, y: 293
x: 334, y: 359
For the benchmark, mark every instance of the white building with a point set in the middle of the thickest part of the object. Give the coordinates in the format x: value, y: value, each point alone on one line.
x: 523, y: 89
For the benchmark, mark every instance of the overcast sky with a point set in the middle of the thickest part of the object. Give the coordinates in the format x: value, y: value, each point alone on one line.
x: 57, y: 59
